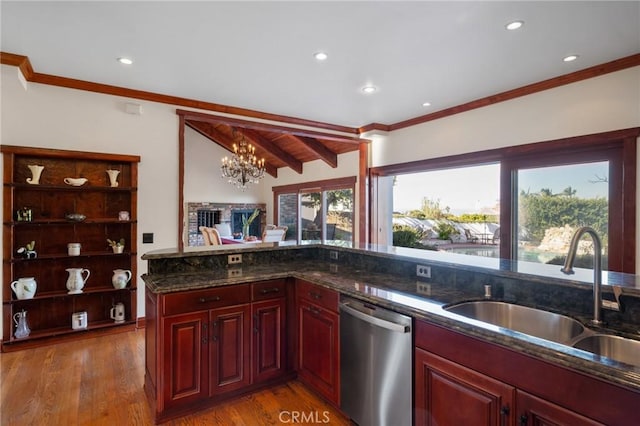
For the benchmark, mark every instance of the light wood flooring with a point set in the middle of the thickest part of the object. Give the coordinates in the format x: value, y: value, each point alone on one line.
x: 99, y: 381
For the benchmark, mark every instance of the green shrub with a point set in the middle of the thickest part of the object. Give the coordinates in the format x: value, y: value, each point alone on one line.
x: 444, y: 230
x: 406, y: 236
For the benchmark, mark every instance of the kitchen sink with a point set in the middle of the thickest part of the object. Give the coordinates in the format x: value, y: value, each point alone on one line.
x: 614, y: 347
x: 534, y: 322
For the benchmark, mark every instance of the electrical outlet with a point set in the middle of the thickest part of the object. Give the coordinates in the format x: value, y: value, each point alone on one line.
x: 333, y: 255
x: 423, y: 271
x: 423, y: 288
x: 234, y: 272
x: 234, y: 259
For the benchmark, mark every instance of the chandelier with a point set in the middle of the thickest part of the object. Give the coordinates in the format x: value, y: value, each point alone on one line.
x: 243, y: 167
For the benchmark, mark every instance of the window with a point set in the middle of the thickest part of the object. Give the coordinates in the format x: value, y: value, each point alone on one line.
x: 552, y: 202
x: 456, y: 209
x: 546, y: 188
x: 317, y: 211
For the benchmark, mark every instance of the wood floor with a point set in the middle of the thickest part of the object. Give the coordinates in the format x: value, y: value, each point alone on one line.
x: 99, y: 381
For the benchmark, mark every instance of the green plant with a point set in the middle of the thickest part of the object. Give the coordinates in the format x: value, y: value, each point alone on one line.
x: 444, y: 230
x: 406, y: 236
x: 114, y: 243
x: 246, y: 222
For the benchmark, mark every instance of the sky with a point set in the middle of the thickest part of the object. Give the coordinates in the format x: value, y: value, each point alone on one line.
x: 476, y: 189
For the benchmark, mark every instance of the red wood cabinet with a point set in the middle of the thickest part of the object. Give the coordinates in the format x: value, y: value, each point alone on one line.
x: 464, y: 380
x: 40, y: 213
x: 534, y: 411
x: 269, y: 337
x: 204, y: 344
x: 450, y: 394
x: 184, y: 367
x: 230, y: 349
x: 319, y: 339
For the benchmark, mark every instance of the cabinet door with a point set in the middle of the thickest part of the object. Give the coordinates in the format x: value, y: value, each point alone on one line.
x: 319, y: 351
x: 268, y: 339
x: 230, y: 349
x: 450, y: 394
x: 539, y: 412
x: 185, y: 356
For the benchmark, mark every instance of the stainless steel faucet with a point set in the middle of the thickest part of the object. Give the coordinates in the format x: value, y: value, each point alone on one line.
x: 597, y: 268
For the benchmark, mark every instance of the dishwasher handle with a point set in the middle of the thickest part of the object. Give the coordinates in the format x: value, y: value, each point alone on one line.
x: 401, y: 328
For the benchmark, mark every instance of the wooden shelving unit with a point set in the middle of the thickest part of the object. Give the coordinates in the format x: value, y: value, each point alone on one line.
x: 49, y: 312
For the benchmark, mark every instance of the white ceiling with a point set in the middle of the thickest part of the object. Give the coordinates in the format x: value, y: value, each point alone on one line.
x: 259, y: 55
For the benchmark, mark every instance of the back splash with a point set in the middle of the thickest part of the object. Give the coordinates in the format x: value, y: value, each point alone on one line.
x: 561, y: 296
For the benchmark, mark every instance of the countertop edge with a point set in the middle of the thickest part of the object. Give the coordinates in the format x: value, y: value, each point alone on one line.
x: 432, y: 312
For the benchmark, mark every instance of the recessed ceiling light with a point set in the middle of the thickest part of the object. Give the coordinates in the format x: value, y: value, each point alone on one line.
x: 320, y: 56
x: 570, y: 58
x: 125, y: 61
x: 369, y: 89
x: 514, y: 25
x: 426, y: 104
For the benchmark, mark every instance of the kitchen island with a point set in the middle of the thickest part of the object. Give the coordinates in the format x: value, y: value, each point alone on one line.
x: 180, y: 301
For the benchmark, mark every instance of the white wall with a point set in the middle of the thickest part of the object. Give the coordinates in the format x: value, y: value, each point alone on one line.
x: 54, y: 117
x: 202, y: 178
x: 608, y: 102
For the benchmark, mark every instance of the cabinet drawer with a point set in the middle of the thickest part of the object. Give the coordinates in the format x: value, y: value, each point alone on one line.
x: 196, y: 300
x: 318, y: 295
x: 270, y: 289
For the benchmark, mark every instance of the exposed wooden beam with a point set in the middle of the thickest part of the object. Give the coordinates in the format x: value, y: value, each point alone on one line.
x: 325, y: 154
x: 257, y: 139
x: 267, y: 127
x: 223, y: 140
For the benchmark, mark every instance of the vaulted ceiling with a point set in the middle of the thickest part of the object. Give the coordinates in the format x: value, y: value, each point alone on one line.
x: 280, y: 146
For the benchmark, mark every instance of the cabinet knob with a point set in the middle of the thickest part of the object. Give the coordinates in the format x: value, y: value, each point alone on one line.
x: 269, y: 290
x: 209, y: 299
x: 204, y: 340
x: 524, y: 420
x: 315, y: 295
x: 504, y: 414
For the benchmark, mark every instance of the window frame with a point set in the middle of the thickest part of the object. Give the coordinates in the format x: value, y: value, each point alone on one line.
x: 618, y: 147
x: 315, y: 186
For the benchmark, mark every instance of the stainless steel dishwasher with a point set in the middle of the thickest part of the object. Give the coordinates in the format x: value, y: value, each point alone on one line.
x: 375, y: 364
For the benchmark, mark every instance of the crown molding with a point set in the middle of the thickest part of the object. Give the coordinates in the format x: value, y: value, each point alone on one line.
x: 27, y: 71
x: 25, y: 66
x: 595, y: 71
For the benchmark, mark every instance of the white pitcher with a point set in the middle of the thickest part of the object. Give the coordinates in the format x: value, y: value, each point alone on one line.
x: 75, y: 282
x: 36, y: 171
x: 120, y: 278
x: 113, y: 177
x: 24, y: 288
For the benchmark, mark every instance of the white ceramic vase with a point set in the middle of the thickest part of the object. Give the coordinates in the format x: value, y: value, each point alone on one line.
x: 24, y: 288
x: 113, y: 177
x: 36, y: 171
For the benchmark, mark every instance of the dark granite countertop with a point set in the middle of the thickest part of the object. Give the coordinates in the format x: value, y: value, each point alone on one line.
x: 399, y: 293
